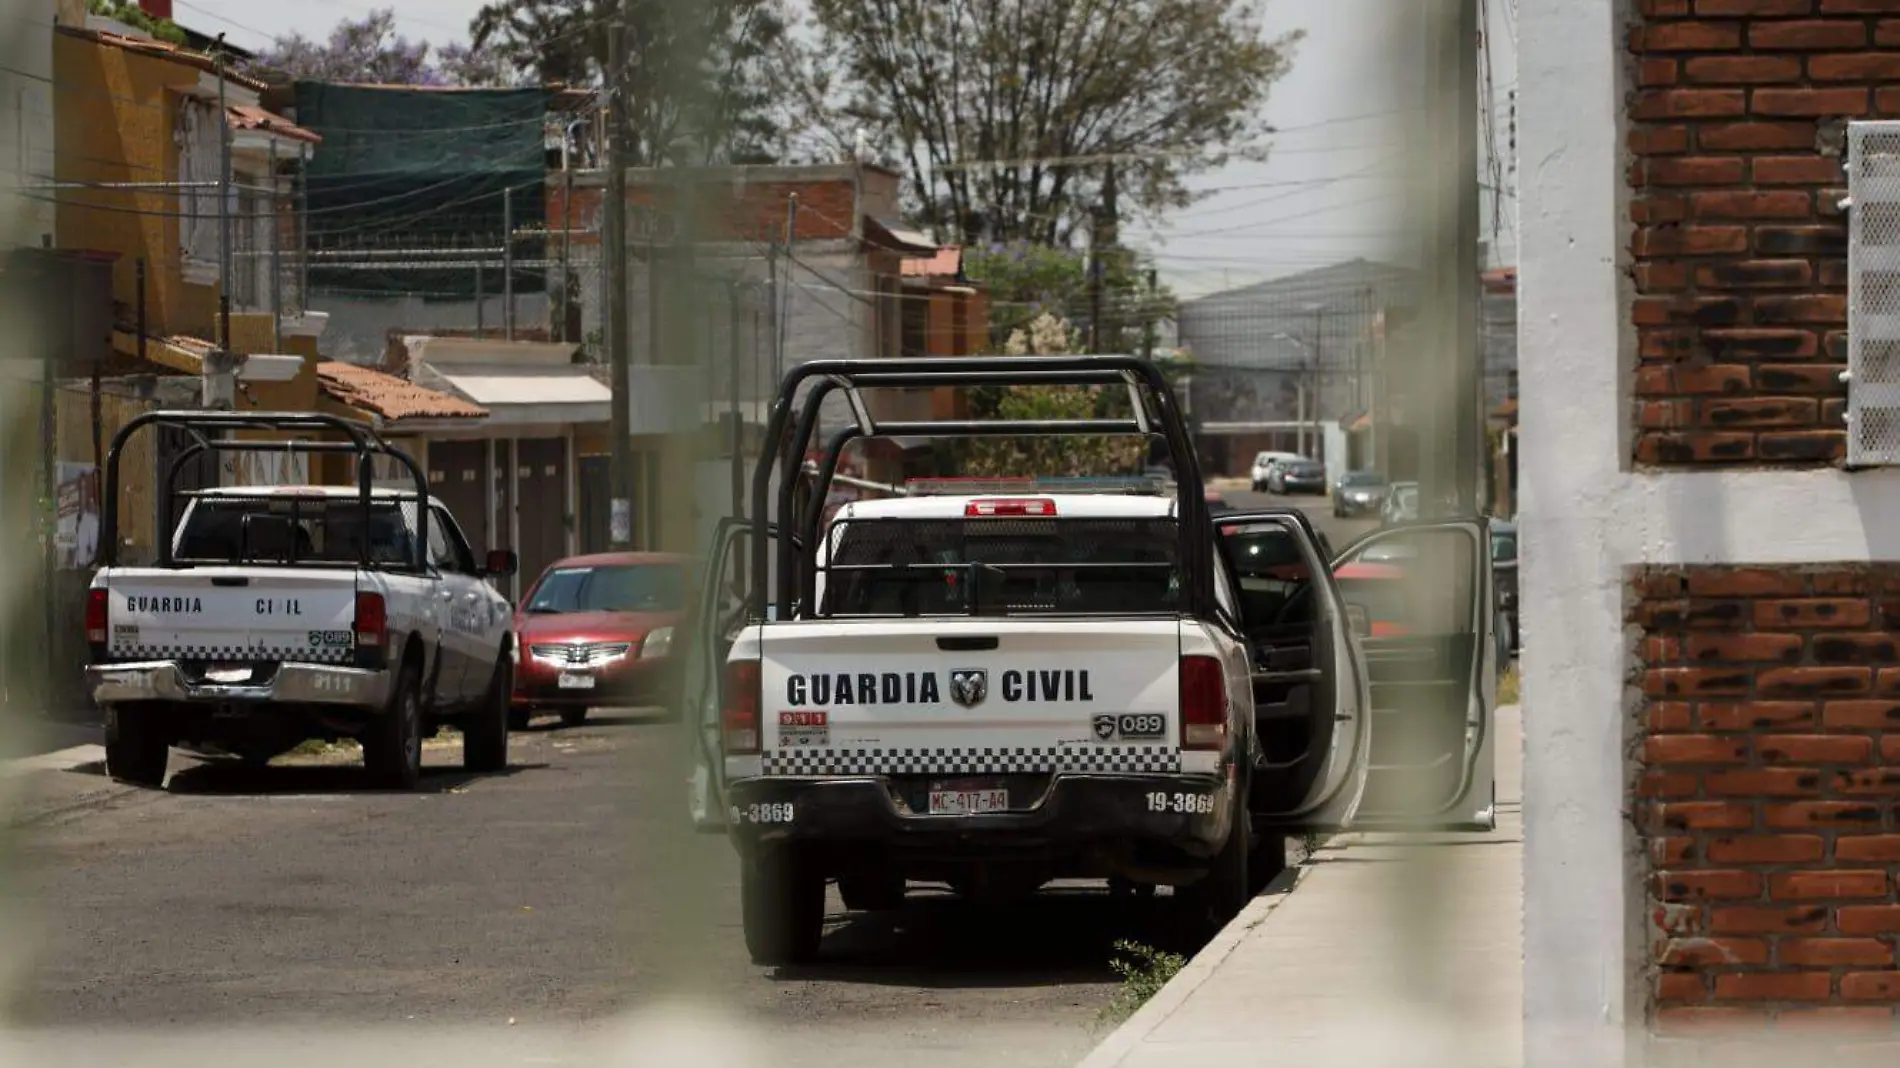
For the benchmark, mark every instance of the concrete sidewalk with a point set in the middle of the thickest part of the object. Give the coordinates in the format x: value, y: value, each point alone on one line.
x: 1386, y: 951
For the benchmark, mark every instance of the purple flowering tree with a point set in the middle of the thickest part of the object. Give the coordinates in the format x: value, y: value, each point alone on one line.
x: 371, y: 51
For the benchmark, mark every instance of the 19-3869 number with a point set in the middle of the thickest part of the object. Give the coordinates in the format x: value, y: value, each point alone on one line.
x: 768, y: 812
x: 1187, y: 804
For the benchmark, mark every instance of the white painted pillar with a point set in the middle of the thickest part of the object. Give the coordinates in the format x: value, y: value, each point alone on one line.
x: 571, y: 506
x: 514, y: 510
x: 1580, y: 1006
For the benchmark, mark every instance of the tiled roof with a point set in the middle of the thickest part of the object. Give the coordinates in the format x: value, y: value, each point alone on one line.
x: 390, y: 397
x: 945, y: 264
x: 164, y: 50
x: 253, y: 118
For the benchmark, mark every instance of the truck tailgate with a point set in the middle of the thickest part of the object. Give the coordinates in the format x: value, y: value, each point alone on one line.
x: 979, y: 696
x: 232, y: 613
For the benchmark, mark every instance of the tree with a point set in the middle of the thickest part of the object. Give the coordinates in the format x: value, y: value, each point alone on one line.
x: 372, y: 51
x: 699, y: 75
x: 129, y: 13
x: 1006, y: 114
x: 1052, y: 456
x: 1025, y: 280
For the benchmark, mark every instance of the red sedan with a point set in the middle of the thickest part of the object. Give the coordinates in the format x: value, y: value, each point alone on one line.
x: 600, y: 630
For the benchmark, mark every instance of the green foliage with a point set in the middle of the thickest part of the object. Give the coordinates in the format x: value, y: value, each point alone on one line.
x: 1048, y: 335
x: 128, y: 12
x: 1144, y: 971
x: 699, y: 76
x: 1045, y: 96
x: 1025, y: 280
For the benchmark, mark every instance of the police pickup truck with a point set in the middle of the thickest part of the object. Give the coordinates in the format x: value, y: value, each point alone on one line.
x: 285, y: 613
x: 996, y: 685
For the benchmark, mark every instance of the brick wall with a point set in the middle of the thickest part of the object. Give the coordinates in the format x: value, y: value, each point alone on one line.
x: 1768, y: 769
x: 1738, y: 248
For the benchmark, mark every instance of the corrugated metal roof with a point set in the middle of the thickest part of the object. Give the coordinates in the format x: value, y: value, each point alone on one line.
x: 389, y: 396
x: 494, y: 387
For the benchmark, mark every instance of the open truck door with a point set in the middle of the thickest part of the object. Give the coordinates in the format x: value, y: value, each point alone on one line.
x: 721, y: 615
x: 1431, y: 653
x: 1310, y: 685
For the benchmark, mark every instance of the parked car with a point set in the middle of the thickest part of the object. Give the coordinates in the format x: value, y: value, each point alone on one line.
x: 1401, y: 504
x: 1504, y: 570
x: 1264, y: 464
x: 1359, y: 493
x: 598, y: 630
x: 1297, y: 476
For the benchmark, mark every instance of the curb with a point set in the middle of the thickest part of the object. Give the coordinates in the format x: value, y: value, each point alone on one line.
x: 1122, y: 1041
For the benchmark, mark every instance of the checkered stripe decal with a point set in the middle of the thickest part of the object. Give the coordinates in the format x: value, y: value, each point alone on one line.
x: 292, y: 653
x: 1136, y: 759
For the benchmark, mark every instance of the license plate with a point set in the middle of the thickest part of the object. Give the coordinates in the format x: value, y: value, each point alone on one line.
x: 571, y: 681
x: 967, y: 798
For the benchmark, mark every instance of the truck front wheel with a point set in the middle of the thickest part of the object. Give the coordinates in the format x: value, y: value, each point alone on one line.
x: 783, y: 900
x: 485, y: 733
x: 137, y: 749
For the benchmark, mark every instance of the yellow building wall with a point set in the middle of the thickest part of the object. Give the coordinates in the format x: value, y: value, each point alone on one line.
x: 116, y: 112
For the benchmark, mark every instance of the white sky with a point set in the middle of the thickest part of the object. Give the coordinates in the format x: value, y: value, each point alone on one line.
x: 1328, y: 192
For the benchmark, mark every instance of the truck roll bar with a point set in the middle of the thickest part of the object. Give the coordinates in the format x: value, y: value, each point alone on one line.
x: 1154, y: 412
x: 364, y: 443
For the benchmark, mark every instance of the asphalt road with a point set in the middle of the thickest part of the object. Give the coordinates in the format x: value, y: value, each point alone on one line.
x: 550, y: 900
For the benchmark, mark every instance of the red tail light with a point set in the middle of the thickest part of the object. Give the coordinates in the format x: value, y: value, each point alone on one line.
x: 372, y: 621
x: 98, y: 611
x: 739, y: 708
x: 1011, y: 506
x: 1203, y: 703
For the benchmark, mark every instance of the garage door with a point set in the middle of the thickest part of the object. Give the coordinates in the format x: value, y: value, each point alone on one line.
x: 541, y: 488
x: 457, y: 471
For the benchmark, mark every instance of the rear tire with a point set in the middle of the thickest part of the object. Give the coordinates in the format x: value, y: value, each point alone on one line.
x: 392, y: 747
x: 783, y: 902
x: 136, y: 750
x: 871, y: 893
x: 1227, y: 886
x: 485, y: 732
x: 573, y: 717
x: 1266, y: 859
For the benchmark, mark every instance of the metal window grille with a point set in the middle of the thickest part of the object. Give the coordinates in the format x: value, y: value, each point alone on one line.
x: 1873, y: 294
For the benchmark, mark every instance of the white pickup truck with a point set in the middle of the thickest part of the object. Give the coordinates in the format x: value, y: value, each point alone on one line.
x: 286, y: 613
x: 1000, y: 685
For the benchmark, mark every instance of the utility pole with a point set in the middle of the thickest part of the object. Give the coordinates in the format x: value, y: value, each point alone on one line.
x: 1468, y: 439
x: 1102, y: 238
x: 276, y: 262
x: 732, y: 393
x: 614, y: 218
x: 508, y: 263
x: 223, y: 119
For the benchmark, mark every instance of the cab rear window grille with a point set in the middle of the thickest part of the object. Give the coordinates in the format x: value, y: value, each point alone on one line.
x: 906, y: 567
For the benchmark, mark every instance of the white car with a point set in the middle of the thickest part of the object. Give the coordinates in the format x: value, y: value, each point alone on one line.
x: 1264, y: 463
x: 284, y: 613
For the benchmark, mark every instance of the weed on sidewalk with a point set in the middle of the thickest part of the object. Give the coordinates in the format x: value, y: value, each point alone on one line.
x: 1144, y: 971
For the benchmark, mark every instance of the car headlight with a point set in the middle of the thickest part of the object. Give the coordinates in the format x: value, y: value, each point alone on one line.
x: 658, y: 643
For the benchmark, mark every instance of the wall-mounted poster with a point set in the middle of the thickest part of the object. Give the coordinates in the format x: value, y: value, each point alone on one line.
x: 76, y: 532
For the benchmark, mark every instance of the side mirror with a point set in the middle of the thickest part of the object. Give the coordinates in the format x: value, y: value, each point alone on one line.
x: 502, y: 562
x: 1357, y: 621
